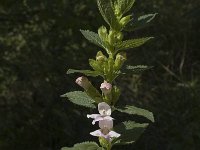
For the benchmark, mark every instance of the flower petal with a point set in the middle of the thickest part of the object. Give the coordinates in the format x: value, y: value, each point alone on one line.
x: 93, y: 116
x: 104, y: 109
x: 98, y: 118
x: 114, y: 134
x: 96, y: 133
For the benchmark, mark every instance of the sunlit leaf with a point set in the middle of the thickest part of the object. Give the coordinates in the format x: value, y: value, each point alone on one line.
x: 107, y: 12
x: 80, y: 98
x: 93, y: 38
x: 132, y: 110
x: 135, y: 69
x: 140, y: 22
x: 128, y: 44
x: 125, y: 5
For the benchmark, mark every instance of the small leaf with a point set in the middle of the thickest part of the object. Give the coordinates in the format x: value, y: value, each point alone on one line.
x: 140, y: 22
x: 135, y: 69
x: 80, y: 98
x: 130, y: 132
x: 132, y: 110
x: 128, y: 44
x: 106, y: 10
x: 84, y: 146
x: 85, y: 72
x: 125, y: 5
x: 93, y: 38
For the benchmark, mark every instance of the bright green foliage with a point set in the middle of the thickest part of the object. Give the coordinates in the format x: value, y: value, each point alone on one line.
x: 128, y: 44
x: 124, y: 6
x: 80, y: 98
x: 84, y: 146
x: 130, y: 131
x: 132, y: 110
x: 85, y: 72
x: 108, y: 14
x: 93, y: 37
x: 136, y: 69
x: 140, y: 22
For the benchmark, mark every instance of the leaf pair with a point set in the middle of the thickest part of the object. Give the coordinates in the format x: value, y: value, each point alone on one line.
x: 124, y: 45
x: 82, y: 99
x: 112, y: 11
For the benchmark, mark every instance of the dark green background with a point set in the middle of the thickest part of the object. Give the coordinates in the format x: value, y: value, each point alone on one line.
x: 40, y: 40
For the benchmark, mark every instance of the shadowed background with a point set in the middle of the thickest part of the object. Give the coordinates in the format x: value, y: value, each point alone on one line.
x: 40, y: 40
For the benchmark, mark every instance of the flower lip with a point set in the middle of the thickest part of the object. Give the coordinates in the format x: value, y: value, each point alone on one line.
x: 109, y: 136
x: 98, y: 117
x: 104, y: 109
x: 104, y: 113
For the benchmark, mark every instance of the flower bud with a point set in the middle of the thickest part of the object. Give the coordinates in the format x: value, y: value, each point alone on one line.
x: 100, y: 57
x: 111, y: 37
x: 120, y: 59
x: 106, y: 87
x: 94, y: 64
x: 119, y: 36
x: 102, y: 31
x: 125, y: 20
x: 83, y: 82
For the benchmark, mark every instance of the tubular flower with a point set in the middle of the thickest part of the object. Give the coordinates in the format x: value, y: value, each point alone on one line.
x: 106, y: 87
x: 83, y: 82
x: 104, y: 113
x: 105, y: 130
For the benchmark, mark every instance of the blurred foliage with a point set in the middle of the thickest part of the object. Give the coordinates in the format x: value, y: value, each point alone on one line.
x: 40, y: 40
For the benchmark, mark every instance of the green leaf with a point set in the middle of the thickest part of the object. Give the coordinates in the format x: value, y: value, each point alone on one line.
x: 136, y: 69
x: 132, y: 110
x: 80, y: 98
x: 125, y: 5
x: 85, y: 72
x: 93, y: 38
x: 106, y: 10
x: 140, y: 22
x: 128, y: 44
x: 130, y: 132
x: 84, y: 146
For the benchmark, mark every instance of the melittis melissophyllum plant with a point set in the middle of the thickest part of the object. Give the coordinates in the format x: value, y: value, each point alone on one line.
x: 109, y: 64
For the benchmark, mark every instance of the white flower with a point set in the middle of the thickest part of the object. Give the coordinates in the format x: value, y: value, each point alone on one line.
x: 105, y: 130
x: 106, y: 87
x: 83, y: 82
x: 104, y: 113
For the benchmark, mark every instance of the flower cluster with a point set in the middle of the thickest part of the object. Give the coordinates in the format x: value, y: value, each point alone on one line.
x: 105, y: 122
x: 104, y: 117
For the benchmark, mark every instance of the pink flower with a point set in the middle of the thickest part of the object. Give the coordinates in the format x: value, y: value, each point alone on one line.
x: 106, y: 87
x: 105, y: 130
x: 104, y: 113
x: 83, y: 82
